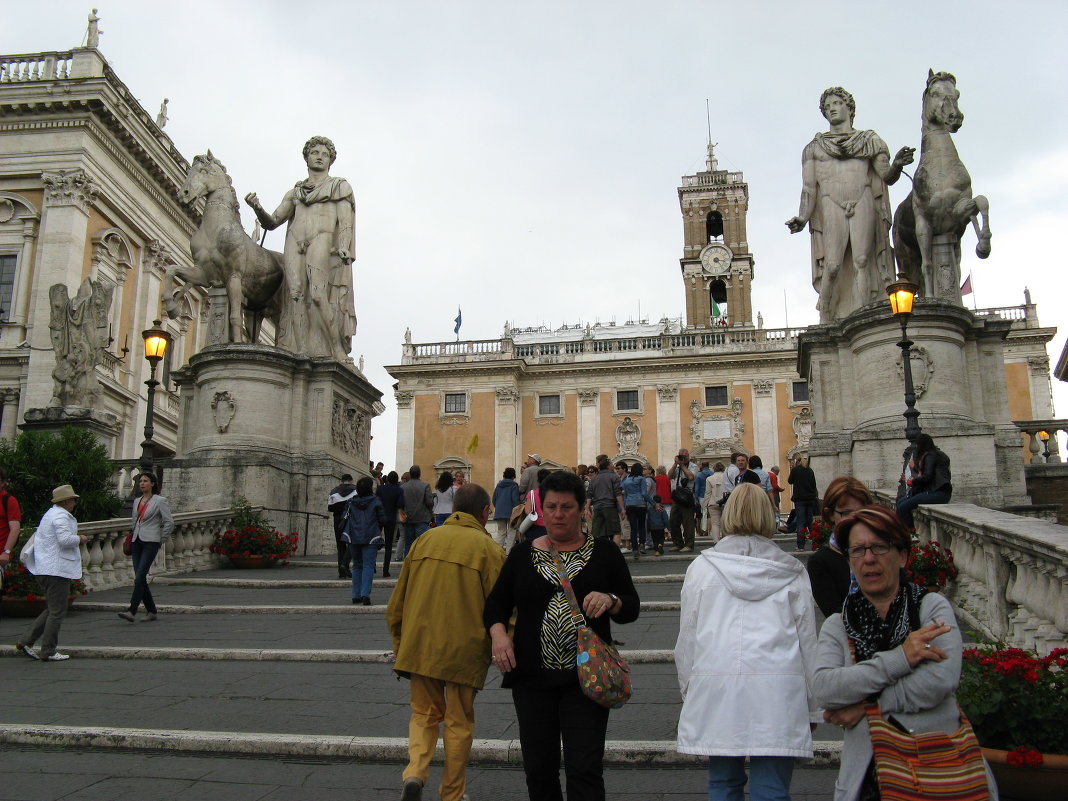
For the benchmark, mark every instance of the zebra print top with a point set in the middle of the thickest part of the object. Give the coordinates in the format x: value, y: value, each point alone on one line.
x: 558, y: 631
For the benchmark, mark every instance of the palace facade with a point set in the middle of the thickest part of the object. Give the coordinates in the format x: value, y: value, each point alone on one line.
x: 713, y: 383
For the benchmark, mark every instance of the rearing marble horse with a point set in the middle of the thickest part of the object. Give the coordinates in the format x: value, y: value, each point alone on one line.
x: 941, y: 201
x: 224, y: 255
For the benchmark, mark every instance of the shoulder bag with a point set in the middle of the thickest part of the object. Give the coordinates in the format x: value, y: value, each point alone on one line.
x: 931, y: 766
x: 604, y: 675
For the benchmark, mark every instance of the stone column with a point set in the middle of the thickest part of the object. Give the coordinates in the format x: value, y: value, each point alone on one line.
x: 668, y: 436
x: 10, y: 416
x: 589, y: 423
x: 405, y: 428
x: 68, y: 196
x: 505, y: 433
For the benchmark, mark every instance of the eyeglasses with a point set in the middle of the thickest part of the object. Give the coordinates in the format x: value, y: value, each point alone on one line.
x: 878, y: 549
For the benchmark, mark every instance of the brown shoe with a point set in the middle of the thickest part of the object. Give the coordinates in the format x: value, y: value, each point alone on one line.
x: 149, y: 617
x: 413, y: 790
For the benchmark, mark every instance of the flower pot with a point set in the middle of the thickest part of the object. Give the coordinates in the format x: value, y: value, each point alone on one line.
x: 21, y: 607
x: 252, y: 562
x: 1045, y: 782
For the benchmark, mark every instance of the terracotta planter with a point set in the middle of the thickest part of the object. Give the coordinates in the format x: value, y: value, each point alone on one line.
x: 252, y: 562
x: 20, y: 607
x: 1045, y: 782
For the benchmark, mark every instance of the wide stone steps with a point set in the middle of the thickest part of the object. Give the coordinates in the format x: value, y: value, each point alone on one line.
x: 278, y: 662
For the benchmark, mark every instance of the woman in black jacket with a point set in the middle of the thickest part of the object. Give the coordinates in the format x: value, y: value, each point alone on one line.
x: 538, y: 659
x: 931, y: 479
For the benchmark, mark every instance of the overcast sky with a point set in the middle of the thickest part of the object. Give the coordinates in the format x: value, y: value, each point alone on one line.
x: 521, y: 160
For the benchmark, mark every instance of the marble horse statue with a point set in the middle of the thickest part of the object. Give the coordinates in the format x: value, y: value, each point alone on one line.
x: 929, y: 223
x: 224, y: 255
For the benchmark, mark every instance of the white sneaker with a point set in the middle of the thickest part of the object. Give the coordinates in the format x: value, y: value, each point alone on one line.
x: 624, y: 550
x: 56, y: 657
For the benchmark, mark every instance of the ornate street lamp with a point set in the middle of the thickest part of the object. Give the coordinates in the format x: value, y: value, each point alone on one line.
x: 156, y: 342
x: 902, y: 294
x: 1044, y: 436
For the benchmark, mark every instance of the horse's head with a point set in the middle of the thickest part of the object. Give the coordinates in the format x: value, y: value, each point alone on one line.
x: 940, y: 107
x: 206, y: 175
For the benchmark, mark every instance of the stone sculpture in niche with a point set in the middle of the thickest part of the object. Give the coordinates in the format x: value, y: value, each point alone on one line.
x: 318, y: 316
x: 79, y: 332
x: 628, y: 437
x: 804, y: 427
x: 846, y: 205
x: 929, y: 223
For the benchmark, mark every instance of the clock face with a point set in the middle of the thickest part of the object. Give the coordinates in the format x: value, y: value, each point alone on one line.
x: 716, y: 259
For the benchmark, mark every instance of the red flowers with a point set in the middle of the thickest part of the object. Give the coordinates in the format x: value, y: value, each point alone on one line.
x: 1024, y: 756
x: 1017, y: 701
x: 253, y: 540
x: 932, y: 566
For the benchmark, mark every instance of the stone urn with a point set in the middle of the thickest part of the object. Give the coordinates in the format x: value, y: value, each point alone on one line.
x: 1045, y: 782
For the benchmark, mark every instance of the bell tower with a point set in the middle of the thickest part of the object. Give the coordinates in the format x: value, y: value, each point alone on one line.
x: 717, y: 267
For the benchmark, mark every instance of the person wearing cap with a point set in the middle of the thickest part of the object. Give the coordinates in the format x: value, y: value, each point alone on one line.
x: 528, y: 480
x: 56, y: 560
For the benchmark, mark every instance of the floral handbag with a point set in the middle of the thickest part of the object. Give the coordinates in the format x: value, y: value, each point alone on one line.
x: 603, y: 674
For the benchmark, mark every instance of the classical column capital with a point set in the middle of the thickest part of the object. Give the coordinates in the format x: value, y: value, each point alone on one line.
x: 69, y: 188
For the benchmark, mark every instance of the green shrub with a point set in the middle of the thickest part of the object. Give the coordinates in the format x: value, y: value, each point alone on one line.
x: 38, y: 462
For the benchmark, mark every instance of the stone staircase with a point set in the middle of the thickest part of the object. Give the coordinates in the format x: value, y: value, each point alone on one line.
x: 278, y: 665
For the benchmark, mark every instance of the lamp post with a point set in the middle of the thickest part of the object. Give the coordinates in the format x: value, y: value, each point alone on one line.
x: 902, y: 294
x: 1044, y: 436
x: 156, y: 342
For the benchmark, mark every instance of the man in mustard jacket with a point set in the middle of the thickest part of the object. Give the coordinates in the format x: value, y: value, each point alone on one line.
x: 435, y: 618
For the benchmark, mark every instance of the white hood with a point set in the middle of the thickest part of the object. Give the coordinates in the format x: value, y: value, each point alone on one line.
x: 752, y: 567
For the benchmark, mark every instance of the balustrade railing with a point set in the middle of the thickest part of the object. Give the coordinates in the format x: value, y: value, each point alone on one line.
x: 1013, y: 582
x: 35, y: 67
x: 104, y: 566
x: 1042, y: 439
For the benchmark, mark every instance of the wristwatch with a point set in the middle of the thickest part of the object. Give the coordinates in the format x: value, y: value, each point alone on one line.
x: 615, y: 599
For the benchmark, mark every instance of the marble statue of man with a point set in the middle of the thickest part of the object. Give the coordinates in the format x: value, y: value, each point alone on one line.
x: 318, y: 316
x: 846, y: 205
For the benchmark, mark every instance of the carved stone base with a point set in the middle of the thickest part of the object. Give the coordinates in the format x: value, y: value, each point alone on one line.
x: 276, y: 428
x: 857, y: 399
x: 104, y: 425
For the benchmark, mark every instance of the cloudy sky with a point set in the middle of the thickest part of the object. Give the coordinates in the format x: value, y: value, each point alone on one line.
x: 521, y: 160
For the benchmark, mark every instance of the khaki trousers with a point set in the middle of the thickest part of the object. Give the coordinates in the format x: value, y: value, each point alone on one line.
x: 433, y: 702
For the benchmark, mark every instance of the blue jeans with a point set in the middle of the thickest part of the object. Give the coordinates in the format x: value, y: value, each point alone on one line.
x: 769, y: 778
x: 411, y: 531
x: 906, y: 505
x: 636, y: 519
x: 806, y: 511
x: 143, y: 554
x: 363, y: 569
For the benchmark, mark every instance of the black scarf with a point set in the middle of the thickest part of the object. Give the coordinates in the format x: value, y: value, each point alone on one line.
x: 869, y: 632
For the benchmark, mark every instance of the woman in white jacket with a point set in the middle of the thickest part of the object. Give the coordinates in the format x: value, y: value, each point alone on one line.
x: 745, y: 656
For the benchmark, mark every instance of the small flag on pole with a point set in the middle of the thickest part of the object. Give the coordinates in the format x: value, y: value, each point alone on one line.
x: 715, y: 310
x: 966, y: 287
x: 459, y: 320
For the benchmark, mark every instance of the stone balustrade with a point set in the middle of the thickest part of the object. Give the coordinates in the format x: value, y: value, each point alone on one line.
x: 35, y: 67
x: 1013, y: 582
x: 104, y: 565
x: 1043, y: 452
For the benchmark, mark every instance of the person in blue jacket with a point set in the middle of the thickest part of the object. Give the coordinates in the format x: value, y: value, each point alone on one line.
x: 505, y: 499
x: 636, y: 500
x: 365, y: 517
x: 658, y: 523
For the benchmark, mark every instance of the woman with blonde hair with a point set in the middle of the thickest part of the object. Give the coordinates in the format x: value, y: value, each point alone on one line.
x: 745, y: 655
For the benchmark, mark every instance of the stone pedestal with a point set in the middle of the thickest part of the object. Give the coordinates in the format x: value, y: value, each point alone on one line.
x: 856, y: 386
x: 104, y: 425
x: 276, y: 428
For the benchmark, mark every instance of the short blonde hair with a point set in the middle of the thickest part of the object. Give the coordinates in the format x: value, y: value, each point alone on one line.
x: 748, y: 511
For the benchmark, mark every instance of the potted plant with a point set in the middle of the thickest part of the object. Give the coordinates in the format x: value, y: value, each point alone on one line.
x: 1018, y: 703
x: 252, y: 541
x: 932, y: 566
x: 819, y: 533
x: 21, y: 593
